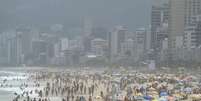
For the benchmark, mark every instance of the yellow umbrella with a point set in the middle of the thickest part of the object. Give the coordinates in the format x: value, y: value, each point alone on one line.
x: 139, y: 94
x: 195, y: 97
x: 98, y: 97
x: 155, y: 99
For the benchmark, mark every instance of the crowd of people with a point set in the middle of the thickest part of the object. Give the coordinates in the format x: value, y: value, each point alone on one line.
x: 85, y: 86
x: 62, y: 86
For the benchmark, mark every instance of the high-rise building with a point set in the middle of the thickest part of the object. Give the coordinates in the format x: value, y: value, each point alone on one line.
x: 176, y: 25
x: 140, y: 38
x: 161, y: 34
x: 75, y: 44
x: 159, y: 15
x: 25, y: 34
x: 4, y: 37
x: 127, y: 48
x: 12, y: 51
x: 148, y: 39
x: 192, y: 8
x: 98, y: 46
x: 198, y: 35
x: 192, y: 34
x: 181, y: 14
x: 116, y: 37
x: 189, y: 37
x: 15, y: 50
x: 86, y: 35
x: 87, y: 26
x: 39, y: 50
x: 64, y: 44
x: 181, y: 28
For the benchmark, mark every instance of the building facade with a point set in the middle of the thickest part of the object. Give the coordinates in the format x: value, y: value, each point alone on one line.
x: 116, y: 38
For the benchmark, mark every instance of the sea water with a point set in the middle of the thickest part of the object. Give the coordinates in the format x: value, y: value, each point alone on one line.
x: 6, y: 96
x: 7, y: 92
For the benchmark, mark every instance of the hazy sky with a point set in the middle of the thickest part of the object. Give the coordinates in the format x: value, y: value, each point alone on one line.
x: 133, y: 13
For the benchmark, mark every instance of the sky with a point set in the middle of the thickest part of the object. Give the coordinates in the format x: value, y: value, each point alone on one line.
x: 70, y: 13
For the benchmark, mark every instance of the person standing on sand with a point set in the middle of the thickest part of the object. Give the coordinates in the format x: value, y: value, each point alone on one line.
x: 101, y: 94
x: 82, y: 98
x: 63, y: 99
x: 92, y: 89
x: 67, y: 99
x: 125, y: 99
x: 77, y: 98
x: 72, y: 98
x: 85, y: 89
x: 90, y: 98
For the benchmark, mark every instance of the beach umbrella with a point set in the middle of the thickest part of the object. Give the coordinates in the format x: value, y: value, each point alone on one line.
x: 177, y: 86
x: 170, y: 98
x: 148, y: 97
x: 152, y: 89
x: 153, y: 92
x: 196, y: 97
x: 98, y: 97
x: 139, y: 94
x: 177, y: 95
x: 163, y: 99
x: 139, y: 98
x: 163, y: 94
x: 188, y: 90
x: 155, y: 99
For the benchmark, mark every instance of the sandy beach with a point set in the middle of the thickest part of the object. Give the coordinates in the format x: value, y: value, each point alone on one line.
x: 52, y: 84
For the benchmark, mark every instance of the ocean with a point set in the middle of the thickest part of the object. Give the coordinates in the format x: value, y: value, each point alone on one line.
x: 6, y: 96
x: 9, y: 84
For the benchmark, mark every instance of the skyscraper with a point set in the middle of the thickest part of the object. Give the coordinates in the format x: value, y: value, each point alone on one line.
x: 159, y: 16
x: 116, y: 37
x: 180, y: 16
x: 176, y: 21
x: 98, y: 46
x: 86, y: 36
x: 141, y: 42
x: 192, y: 18
x: 15, y: 50
x: 176, y: 26
x: 193, y: 8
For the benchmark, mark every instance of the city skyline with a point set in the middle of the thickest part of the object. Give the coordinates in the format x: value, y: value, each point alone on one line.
x: 172, y: 38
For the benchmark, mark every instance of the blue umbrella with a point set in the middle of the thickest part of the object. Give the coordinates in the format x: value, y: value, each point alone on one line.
x: 163, y: 94
x: 188, y: 90
x: 147, y: 97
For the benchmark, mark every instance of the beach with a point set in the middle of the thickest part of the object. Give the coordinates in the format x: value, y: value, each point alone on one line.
x: 89, y: 84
